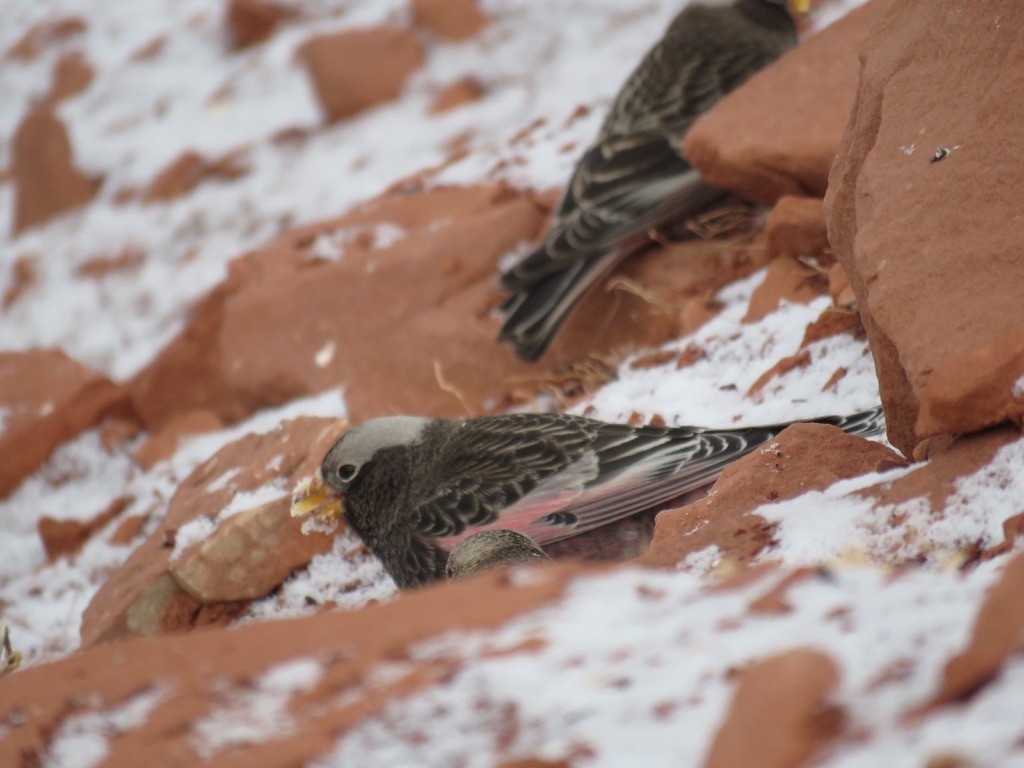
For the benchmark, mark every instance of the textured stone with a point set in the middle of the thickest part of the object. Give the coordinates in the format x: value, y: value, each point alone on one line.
x: 357, y: 69
x: 932, y: 249
x: 245, y: 556
x: 751, y: 145
x: 72, y: 74
x: 796, y: 227
x: 189, y: 170
x: 998, y: 632
x: 779, y: 715
x: 450, y: 19
x: 804, y: 457
x: 463, y: 91
x: 252, y: 21
x: 45, y: 179
x: 283, y: 323
x: 47, y: 398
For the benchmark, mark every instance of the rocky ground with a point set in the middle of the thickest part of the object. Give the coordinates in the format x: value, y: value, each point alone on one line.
x: 230, y: 229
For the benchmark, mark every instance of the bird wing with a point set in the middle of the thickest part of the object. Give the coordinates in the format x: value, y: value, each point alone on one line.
x: 635, y: 177
x: 621, y: 188
x: 493, y: 462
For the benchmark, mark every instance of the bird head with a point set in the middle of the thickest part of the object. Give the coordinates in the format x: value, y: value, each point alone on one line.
x: 323, y: 494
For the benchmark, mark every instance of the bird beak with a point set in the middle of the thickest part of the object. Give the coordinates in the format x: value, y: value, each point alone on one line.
x: 800, y: 7
x: 313, y: 496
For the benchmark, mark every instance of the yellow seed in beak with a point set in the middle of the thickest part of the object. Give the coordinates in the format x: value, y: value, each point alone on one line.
x: 313, y: 496
x: 799, y: 7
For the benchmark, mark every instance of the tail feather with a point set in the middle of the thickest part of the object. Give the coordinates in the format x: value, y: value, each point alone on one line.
x: 534, y: 315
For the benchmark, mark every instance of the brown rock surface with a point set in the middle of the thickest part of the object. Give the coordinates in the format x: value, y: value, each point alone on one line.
x: 46, y: 181
x: 47, y: 399
x: 790, y: 150
x: 199, y: 670
x: 282, y: 324
x: 998, y: 632
x: 796, y: 227
x: 66, y: 537
x: 451, y: 19
x: 463, y: 91
x: 356, y: 69
x: 189, y: 170
x: 164, y: 443
x: 252, y: 21
x: 780, y: 714
x: 804, y: 457
x: 44, y: 34
x: 72, y: 74
x: 932, y: 249
x: 243, y: 556
x: 786, y: 280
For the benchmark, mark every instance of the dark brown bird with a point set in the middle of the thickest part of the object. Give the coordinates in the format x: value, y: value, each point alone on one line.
x: 496, y: 548
x: 414, y: 488
x: 634, y: 177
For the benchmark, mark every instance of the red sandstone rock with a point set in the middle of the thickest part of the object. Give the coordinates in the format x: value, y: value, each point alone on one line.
x: 252, y: 21
x: 780, y: 714
x: 839, y: 287
x: 460, y: 92
x: 450, y: 19
x: 998, y: 632
x: 197, y: 670
x: 287, y: 322
x: 932, y: 249
x: 247, y: 554
x: 66, y: 537
x: 778, y: 133
x: 46, y: 181
x: 47, y: 399
x: 42, y: 35
x: 72, y: 74
x: 356, y: 69
x: 189, y: 170
x: 164, y: 443
x: 802, y: 458
x: 23, y: 277
x: 787, y: 280
x: 796, y: 227
x: 831, y: 322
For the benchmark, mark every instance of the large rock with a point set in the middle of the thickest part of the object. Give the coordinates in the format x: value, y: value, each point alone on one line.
x: 46, y: 181
x: 215, y: 552
x: 395, y: 302
x: 193, y: 675
x: 450, y: 19
x: 802, y: 458
x: 778, y: 134
x: 356, y: 69
x: 46, y: 398
x: 757, y: 731
x: 932, y: 246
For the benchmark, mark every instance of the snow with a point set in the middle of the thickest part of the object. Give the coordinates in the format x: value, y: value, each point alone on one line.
x: 712, y: 392
x: 644, y: 661
x: 348, y: 577
x: 256, y: 714
x: 81, y: 741
x: 855, y: 525
x: 43, y: 602
x: 644, y: 664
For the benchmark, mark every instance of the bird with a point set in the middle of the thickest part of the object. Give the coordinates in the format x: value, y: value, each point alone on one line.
x: 412, y: 488
x: 634, y: 178
x: 494, y: 548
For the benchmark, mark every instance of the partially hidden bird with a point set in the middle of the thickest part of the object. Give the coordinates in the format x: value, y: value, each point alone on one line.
x: 634, y: 178
x: 493, y: 548
x: 413, y: 488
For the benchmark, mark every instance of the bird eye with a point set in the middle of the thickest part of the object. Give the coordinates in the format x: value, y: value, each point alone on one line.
x: 346, y: 472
